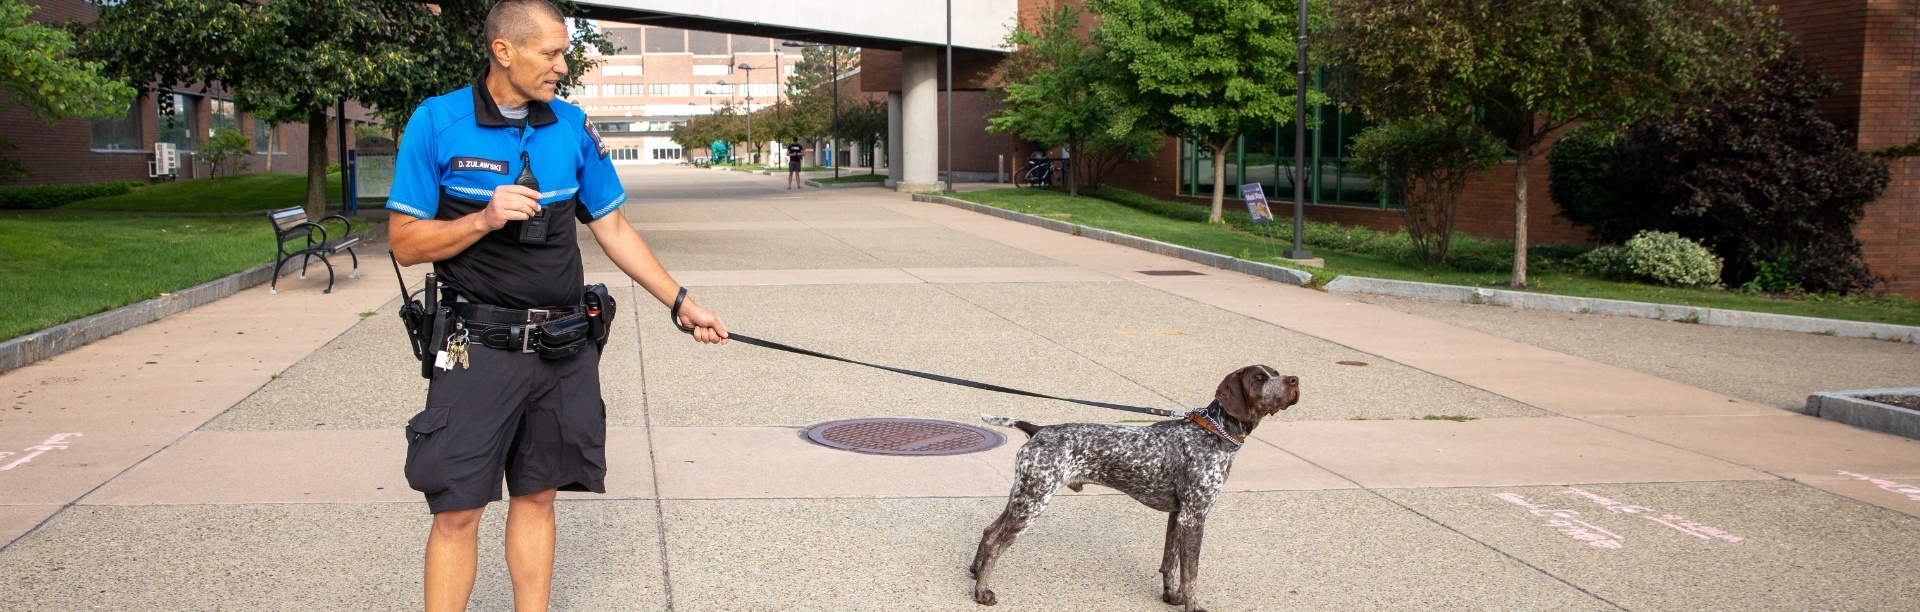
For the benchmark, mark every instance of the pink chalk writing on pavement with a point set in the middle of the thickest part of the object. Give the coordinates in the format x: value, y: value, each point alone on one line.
x: 1912, y: 492
x: 1565, y: 523
x: 1672, y: 521
x: 57, y: 442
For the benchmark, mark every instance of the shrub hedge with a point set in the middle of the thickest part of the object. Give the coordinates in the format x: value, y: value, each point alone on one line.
x: 40, y: 197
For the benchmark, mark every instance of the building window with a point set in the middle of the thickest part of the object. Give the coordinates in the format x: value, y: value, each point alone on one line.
x: 613, y: 127
x: 670, y: 89
x: 751, y: 44
x: 626, y: 41
x: 180, y: 127
x: 718, y: 89
x: 763, y: 90
x: 628, y: 154
x: 666, y: 153
x: 707, y: 43
x: 623, y: 90
x: 1266, y: 156
x: 666, y: 40
x: 223, y: 116
x: 712, y: 69
x: 116, y: 133
x: 266, y: 137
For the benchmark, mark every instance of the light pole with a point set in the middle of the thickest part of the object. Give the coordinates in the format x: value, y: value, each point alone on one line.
x: 755, y: 157
x: 1300, y: 139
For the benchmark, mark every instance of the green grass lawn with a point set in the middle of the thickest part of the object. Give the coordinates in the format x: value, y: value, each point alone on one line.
x: 57, y: 268
x: 227, y: 194
x: 853, y: 178
x: 1360, y: 252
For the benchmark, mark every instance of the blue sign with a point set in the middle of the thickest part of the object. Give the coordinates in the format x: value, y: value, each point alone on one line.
x: 1256, y: 203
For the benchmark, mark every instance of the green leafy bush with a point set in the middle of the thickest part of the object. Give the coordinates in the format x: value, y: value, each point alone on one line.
x: 226, y: 147
x: 1664, y: 258
x: 49, y: 196
x: 1422, y: 164
x: 1582, y: 179
x: 1609, y: 261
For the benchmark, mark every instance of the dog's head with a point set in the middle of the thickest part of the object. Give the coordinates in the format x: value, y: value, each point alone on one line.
x: 1257, y: 391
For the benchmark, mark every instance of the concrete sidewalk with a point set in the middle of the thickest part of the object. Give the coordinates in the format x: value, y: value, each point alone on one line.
x: 246, y: 454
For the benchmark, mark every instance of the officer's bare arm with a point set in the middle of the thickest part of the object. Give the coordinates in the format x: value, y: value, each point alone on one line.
x: 630, y: 252
x: 417, y: 241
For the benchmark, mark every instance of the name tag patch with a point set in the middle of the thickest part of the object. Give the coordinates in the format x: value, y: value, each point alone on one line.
x: 599, y: 144
x: 483, y: 165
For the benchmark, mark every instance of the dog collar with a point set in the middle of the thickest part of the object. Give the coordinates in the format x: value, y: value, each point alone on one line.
x: 1207, y: 420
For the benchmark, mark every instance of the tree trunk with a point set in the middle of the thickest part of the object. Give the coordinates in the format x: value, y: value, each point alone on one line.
x: 1522, y: 158
x: 1219, y: 181
x: 316, y: 164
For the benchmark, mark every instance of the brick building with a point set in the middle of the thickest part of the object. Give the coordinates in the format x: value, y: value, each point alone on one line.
x: 663, y: 76
x: 1871, y: 46
x: 74, y: 151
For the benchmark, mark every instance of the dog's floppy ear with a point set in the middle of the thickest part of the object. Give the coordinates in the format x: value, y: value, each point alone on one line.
x: 1234, y: 397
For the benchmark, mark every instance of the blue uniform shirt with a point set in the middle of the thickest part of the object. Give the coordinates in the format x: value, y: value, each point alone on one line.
x: 458, y: 148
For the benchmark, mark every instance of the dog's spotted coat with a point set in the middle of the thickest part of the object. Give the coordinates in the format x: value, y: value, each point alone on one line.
x: 1174, y: 466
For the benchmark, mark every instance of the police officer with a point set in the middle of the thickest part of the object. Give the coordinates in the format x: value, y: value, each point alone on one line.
x: 489, y: 184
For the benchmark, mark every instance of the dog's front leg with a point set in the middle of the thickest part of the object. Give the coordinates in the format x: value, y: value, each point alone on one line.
x: 1191, y: 525
x: 1170, y: 561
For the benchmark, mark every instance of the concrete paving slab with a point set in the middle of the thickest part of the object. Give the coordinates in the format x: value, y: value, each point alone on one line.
x: 1491, y: 452
x: 17, y: 519
x: 1183, y: 347
x: 935, y: 247
x: 857, y: 276
x: 955, y: 276
x: 1712, y: 358
x: 776, y: 462
x: 1310, y: 550
x: 1787, y: 444
x: 1899, y: 493
x: 755, y: 250
x: 1673, y: 546
x: 367, y: 379
x: 361, y: 466
x: 37, y: 471
x: 311, y: 557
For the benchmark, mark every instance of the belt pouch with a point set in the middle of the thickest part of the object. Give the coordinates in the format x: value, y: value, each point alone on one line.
x: 563, y: 337
x: 600, y: 313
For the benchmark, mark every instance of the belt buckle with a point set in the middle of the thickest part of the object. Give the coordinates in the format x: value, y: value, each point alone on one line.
x: 535, y: 316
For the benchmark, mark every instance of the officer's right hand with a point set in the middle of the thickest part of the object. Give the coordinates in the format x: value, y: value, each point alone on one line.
x: 510, y: 203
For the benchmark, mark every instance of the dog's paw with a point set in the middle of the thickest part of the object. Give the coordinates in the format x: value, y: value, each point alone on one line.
x: 1172, y: 597
x: 985, y: 598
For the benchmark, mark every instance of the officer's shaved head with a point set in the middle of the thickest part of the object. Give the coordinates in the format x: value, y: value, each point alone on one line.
x: 518, y: 20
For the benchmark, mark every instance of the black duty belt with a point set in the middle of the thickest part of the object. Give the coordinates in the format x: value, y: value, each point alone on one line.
x: 525, y: 331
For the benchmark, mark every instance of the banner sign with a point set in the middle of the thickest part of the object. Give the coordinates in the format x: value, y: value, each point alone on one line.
x: 1256, y: 203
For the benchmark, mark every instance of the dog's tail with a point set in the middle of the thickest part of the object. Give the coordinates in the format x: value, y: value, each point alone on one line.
x: 1023, y: 426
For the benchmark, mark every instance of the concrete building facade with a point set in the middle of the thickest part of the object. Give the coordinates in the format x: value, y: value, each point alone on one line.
x: 662, y: 76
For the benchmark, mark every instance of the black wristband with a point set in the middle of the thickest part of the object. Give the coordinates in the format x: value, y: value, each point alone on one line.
x: 674, y: 314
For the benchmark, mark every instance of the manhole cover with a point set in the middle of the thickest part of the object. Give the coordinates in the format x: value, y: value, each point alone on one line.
x: 1172, y: 273
x: 903, y: 436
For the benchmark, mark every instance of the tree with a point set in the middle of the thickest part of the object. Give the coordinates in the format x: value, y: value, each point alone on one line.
x: 1052, y: 97
x: 1532, y: 67
x: 1756, y: 174
x: 1204, y: 69
x: 816, y: 68
x: 1422, y: 164
x: 43, y: 76
x: 224, y: 146
x: 283, y: 66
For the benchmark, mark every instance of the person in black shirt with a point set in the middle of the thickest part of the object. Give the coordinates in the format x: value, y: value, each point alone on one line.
x: 794, y: 153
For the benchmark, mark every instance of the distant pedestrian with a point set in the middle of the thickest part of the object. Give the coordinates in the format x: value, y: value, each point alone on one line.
x: 794, y: 153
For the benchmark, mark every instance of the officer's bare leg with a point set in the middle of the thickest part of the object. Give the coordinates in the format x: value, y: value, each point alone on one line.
x: 453, y: 551
x: 530, y: 549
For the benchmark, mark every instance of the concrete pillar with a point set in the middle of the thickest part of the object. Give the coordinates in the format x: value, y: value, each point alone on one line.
x: 920, y: 119
x: 894, y: 167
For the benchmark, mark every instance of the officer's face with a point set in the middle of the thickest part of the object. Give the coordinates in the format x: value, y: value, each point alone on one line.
x: 537, y: 63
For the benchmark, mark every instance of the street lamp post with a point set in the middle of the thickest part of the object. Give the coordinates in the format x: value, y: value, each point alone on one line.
x: 755, y: 157
x: 1300, y: 139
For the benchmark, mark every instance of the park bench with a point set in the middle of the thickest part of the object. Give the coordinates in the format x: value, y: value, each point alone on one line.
x: 297, y: 237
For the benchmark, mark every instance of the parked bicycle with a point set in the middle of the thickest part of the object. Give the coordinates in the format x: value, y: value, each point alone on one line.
x: 1039, y: 172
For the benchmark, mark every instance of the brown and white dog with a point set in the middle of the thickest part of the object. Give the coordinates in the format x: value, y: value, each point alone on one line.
x: 1174, y: 466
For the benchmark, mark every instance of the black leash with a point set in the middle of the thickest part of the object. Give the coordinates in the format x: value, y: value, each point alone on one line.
x: 675, y: 314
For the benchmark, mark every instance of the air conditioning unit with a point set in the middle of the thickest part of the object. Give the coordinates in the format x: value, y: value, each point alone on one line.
x: 166, y: 160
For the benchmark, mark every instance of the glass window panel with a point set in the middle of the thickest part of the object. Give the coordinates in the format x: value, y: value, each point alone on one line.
x: 751, y: 44
x: 116, y: 133
x: 626, y: 41
x: 223, y: 115
x: 264, y: 139
x: 179, y: 127
x: 707, y: 43
x: 666, y: 40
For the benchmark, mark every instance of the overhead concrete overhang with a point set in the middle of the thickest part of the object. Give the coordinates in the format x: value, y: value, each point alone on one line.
x: 977, y: 24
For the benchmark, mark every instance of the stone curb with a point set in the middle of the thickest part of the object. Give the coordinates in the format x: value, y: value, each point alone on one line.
x: 1267, y: 271
x: 1472, y: 295
x: 24, y: 350
x: 1852, y: 408
x: 811, y: 183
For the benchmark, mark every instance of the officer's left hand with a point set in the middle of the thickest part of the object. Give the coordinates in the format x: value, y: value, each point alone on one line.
x: 706, y: 325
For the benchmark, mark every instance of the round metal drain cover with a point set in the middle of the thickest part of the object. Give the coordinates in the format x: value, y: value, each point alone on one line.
x: 904, y: 436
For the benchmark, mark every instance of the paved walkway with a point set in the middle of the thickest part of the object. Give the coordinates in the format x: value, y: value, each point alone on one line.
x: 246, y: 455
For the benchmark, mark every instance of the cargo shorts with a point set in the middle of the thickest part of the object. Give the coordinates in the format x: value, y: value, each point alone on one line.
x: 540, y: 422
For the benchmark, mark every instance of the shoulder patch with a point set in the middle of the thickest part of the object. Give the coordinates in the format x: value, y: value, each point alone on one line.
x: 598, y: 143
